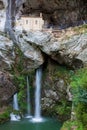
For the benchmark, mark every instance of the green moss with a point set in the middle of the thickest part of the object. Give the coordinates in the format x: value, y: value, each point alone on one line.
x: 79, y: 90
x: 20, y: 82
x: 81, y: 113
x: 18, y: 66
x: 5, y: 116
x: 19, y: 78
x: 81, y: 29
x: 64, y: 108
x: 72, y: 125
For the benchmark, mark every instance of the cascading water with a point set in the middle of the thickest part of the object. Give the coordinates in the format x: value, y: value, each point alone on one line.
x: 10, y: 16
x: 15, y: 102
x: 37, y: 116
x: 13, y: 116
x: 28, y: 100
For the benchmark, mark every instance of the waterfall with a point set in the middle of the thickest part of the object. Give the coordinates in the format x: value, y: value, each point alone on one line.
x: 15, y: 117
x: 10, y: 19
x: 15, y: 102
x: 37, y: 116
x: 28, y: 100
x: 10, y: 16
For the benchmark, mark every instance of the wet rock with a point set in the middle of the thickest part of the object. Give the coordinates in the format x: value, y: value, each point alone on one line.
x: 7, y: 88
x: 83, y: 56
x: 54, y: 94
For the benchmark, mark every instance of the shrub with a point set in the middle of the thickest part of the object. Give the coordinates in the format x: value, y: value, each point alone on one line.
x: 79, y: 90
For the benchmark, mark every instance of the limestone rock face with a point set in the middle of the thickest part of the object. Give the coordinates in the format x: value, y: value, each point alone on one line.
x: 32, y: 54
x: 3, y: 5
x: 7, y: 88
x: 53, y: 93
x: 33, y: 57
x: 71, y: 51
x: 83, y: 56
x: 56, y: 94
x: 6, y: 53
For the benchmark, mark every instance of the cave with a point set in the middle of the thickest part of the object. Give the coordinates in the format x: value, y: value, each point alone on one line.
x: 57, y: 14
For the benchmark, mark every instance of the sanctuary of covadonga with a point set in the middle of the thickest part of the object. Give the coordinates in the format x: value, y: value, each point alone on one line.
x: 30, y: 23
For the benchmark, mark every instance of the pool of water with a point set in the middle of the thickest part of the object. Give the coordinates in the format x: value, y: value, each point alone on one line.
x: 26, y: 124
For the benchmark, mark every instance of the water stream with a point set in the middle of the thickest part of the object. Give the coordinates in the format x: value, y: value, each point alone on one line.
x: 15, y: 102
x: 28, y: 100
x: 37, y: 115
x: 15, y: 117
x: 10, y: 19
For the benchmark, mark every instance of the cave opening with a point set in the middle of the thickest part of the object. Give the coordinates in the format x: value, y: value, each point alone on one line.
x: 60, y: 15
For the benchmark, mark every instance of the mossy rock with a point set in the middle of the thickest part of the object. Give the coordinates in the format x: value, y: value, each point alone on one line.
x: 72, y: 125
x: 4, y: 117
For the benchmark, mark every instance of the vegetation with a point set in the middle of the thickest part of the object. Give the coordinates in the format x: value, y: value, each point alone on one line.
x: 72, y: 125
x: 66, y: 34
x: 20, y: 82
x: 19, y: 78
x: 5, y: 116
x: 80, y: 29
x: 79, y: 91
x: 77, y: 79
x: 62, y: 108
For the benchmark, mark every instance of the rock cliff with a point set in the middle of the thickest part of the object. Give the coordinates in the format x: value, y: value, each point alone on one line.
x: 35, y: 45
x: 29, y: 50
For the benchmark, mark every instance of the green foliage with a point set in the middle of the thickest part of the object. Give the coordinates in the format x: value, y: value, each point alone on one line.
x: 81, y: 113
x: 19, y: 78
x: 20, y: 60
x: 80, y: 78
x: 79, y: 86
x: 80, y: 29
x: 5, y: 116
x: 18, y: 66
x: 64, y: 108
x: 72, y: 125
x: 20, y: 81
x: 79, y: 90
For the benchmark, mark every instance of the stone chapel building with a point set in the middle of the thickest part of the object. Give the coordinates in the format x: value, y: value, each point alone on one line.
x: 30, y: 23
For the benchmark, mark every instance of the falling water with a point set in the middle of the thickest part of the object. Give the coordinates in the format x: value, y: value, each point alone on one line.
x: 15, y: 117
x: 10, y: 16
x: 37, y: 116
x: 10, y: 19
x: 28, y: 100
x: 15, y: 102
